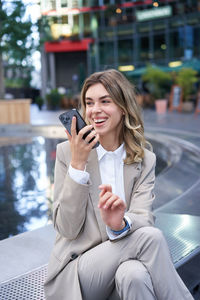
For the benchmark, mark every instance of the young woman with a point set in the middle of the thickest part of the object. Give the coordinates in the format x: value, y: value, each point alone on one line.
x: 106, y: 246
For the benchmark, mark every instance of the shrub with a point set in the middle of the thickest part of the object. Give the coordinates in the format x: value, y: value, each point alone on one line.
x: 186, y: 78
x: 158, y: 82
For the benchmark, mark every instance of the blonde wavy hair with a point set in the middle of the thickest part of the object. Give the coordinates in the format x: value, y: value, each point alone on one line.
x: 123, y: 95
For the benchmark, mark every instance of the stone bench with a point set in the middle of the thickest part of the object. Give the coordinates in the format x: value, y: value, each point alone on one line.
x: 24, y: 257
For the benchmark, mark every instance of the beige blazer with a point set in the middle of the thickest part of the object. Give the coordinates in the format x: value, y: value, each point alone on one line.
x: 77, y: 219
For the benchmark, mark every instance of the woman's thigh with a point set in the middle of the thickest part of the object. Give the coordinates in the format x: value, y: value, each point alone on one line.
x: 97, y: 267
x: 96, y: 270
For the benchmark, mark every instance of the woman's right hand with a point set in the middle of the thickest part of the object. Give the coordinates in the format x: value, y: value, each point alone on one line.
x: 80, y: 148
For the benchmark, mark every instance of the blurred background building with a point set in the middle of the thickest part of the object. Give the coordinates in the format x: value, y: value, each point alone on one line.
x: 83, y: 36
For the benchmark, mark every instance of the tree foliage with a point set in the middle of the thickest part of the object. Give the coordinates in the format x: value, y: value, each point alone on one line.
x: 158, y: 81
x: 16, y: 42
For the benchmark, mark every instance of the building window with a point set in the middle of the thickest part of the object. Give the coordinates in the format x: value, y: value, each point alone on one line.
x: 87, y: 25
x: 52, y: 4
x: 144, y: 27
x: 89, y: 3
x: 196, y: 41
x: 63, y: 3
x: 125, y: 51
x: 106, y: 52
x: 144, y: 48
x: 177, y: 43
x: 159, y: 46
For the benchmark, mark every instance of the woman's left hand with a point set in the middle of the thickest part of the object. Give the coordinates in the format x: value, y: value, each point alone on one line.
x: 112, y: 208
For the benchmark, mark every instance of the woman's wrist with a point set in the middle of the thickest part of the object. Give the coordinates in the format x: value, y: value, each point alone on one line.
x: 78, y: 165
x: 125, y: 228
x: 123, y: 224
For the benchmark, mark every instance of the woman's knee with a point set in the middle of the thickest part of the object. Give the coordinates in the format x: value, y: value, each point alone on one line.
x: 152, y: 234
x: 131, y: 272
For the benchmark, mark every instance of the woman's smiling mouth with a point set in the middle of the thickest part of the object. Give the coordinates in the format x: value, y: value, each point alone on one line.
x: 100, y: 121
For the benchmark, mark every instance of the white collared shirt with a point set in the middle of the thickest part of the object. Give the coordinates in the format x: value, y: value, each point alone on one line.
x: 111, y: 165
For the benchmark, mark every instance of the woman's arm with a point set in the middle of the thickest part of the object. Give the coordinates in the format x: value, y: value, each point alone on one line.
x: 70, y: 197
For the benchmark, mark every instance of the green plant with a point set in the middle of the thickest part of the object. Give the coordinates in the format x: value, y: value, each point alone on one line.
x: 186, y: 78
x: 54, y: 99
x: 39, y: 101
x: 16, y: 44
x: 158, y: 82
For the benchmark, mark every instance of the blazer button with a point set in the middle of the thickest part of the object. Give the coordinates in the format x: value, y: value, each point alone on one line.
x: 74, y: 256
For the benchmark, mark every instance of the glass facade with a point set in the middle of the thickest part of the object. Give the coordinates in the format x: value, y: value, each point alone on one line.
x: 127, y: 33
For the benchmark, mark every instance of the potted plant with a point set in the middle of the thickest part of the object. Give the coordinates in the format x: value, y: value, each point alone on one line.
x: 54, y: 99
x: 186, y: 78
x: 40, y: 102
x: 158, y: 83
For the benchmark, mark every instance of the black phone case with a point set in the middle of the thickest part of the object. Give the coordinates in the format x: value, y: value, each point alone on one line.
x: 66, y: 120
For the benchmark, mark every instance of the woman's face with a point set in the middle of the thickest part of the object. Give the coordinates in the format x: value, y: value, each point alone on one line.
x: 102, y: 112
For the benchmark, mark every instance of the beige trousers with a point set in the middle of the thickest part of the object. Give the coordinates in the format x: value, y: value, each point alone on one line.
x: 137, y: 267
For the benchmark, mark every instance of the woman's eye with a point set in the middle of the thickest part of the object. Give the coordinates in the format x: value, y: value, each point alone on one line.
x: 105, y: 101
x: 89, y: 103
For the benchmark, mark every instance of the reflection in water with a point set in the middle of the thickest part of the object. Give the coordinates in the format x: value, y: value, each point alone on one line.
x: 26, y: 179
x: 26, y: 184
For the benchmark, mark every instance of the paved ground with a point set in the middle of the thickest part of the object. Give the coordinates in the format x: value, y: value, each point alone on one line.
x: 184, y: 125
x: 175, y: 122
x: 188, y: 122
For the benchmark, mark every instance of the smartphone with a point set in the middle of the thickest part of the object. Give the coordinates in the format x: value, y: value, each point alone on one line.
x: 66, y: 120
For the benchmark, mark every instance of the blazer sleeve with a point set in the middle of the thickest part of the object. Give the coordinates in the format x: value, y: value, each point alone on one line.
x: 140, y: 209
x: 70, y: 197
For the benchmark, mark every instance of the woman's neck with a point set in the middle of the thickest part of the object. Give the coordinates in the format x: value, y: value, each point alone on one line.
x: 110, y: 144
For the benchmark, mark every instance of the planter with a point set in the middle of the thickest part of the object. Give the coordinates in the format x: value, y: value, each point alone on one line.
x: 15, y: 111
x: 161, y: 106
x: 187, y: 107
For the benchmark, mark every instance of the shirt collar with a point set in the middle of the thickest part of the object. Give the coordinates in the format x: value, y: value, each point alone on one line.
x: 119, y: 152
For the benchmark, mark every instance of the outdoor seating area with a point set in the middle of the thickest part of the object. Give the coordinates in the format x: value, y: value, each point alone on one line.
x: 29, y: 284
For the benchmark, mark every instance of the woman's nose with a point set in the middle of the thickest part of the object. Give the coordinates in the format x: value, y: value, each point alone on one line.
x: 97, y: 107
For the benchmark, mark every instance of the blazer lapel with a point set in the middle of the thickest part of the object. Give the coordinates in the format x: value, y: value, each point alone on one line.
x: 93, y: 169
x: 131, y: 173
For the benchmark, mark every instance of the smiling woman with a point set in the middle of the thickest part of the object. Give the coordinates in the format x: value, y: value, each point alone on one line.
x: 107, y: 246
